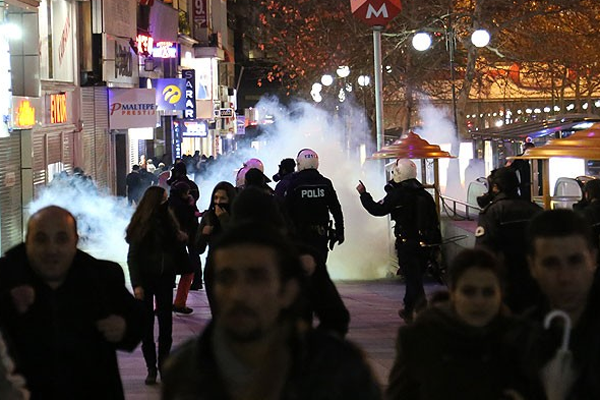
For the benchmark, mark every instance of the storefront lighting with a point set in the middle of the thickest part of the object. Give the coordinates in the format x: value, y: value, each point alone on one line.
x: 11, y: 31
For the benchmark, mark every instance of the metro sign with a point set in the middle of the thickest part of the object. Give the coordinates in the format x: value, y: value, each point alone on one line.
x: 375, y: 12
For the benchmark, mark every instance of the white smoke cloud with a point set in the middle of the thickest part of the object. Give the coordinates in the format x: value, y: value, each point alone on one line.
x: 101, y: 218
x: 366, y: 253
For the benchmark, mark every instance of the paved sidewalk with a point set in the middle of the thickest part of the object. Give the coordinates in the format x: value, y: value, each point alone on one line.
x: 373, y: 307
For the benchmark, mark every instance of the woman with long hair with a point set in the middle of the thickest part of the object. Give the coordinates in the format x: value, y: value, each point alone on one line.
x: 154, y: 237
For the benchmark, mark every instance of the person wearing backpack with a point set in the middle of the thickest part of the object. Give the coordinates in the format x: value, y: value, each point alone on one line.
x: 417, y: 227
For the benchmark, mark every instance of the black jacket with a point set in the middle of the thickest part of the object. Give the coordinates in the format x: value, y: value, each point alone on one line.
x: 411, y: 207
x: 502, y: 228
x: 309, y: 199
x: 440, y: 357
x: 59, y: 350
x: 157, y: 254
x: 584, y: 345
x: 323, y: 367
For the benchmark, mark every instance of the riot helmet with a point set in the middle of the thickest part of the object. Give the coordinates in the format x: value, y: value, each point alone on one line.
x: 307, y: 159
x: 404, y: 169
x: 240, y: 179
x: 255, y: 163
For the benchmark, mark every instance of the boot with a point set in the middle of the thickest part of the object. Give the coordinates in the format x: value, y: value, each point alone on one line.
x: 151, y: 377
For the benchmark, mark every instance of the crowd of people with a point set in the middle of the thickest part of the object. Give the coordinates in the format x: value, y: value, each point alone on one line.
x: 64, y: 314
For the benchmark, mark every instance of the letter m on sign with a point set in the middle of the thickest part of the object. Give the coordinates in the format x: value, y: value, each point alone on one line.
x: 371, y: 11
x: 375, y: 12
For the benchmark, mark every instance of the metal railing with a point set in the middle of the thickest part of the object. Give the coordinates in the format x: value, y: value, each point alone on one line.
x: 453, y: 211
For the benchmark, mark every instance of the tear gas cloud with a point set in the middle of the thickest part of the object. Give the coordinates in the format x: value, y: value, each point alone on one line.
x: 455, y: 174
x: 365, y: 254
x: 101, y: 218
x: 368, y: 252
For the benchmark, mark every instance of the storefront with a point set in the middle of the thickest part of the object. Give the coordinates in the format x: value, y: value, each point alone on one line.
x: 19, y: 76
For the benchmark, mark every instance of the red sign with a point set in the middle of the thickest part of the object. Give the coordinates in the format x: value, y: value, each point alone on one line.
x: 375, y: 12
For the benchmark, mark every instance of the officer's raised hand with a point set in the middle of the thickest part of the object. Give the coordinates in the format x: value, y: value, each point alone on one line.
x: 361, y: 187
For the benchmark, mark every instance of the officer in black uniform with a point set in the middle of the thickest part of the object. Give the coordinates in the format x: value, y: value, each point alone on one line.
x: 417, y: 226
x: 309, y: 199
x: 502, y: 227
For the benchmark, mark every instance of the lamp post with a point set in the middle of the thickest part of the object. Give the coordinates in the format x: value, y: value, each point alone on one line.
x: 377, y: 13
x: 422, y: 41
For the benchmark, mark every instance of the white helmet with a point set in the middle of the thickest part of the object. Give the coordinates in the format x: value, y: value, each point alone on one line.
x: 403, y: 169
x: 255, y: 163
x: 307, y: 159
x: 240, y: 178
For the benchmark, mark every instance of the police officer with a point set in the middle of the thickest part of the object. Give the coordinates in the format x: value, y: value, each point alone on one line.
x: 502, y: 227
x: 309, y: 199
x: 417, y: 225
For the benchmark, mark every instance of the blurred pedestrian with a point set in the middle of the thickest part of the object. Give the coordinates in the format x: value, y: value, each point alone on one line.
x: 184, y: 208
x: 66, y: 312
x: 467, y: 348
x: 252, y: 348
x: 501, y: 228
x: 562, y: 258
x: 283, y: 176
x: 155, y: 250
x: 133, y: 183
x: 591, y: 212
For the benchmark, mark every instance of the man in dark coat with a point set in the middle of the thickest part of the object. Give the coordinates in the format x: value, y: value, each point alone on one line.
x: 254, y: 346
x: 417, y: 227
x: 591, y: 212
x: 562, y: 259
x: 134, y: 185
x: 66, y: 312
x: 283, y: 176
x: 309, y: 199
x: 501, y: 228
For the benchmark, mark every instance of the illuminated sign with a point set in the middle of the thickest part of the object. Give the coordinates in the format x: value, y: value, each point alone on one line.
x: 192, y: 128
x: 132, y: 108
x: 170, y: 94
x: 58, y: 108
x: 164, y: 50
x: 144, y: 44
x: 24, y: 112
x: 190, y: 96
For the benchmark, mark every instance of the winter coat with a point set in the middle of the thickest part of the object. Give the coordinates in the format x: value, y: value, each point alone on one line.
x: 323, y: 367
x: 411, y: 207
x: 218, y: 223
x: 502, y: 228
x: 441, y: 357
x: 309, y: 199
x: 59, y: 350
x: 584, y: 345
x: 158, y: 253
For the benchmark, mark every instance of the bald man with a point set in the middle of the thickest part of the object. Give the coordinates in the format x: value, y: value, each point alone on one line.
x: 66, y: 312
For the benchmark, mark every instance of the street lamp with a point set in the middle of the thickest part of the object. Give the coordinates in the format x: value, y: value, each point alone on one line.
x: 421, y: 41
x: 327, y: 80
